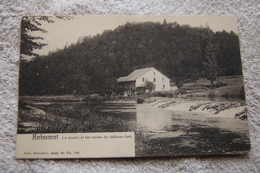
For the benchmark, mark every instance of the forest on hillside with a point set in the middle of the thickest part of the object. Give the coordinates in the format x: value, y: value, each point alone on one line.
x: 93, y: 64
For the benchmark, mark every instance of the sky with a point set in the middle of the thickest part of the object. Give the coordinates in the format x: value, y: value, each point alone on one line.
x: 64, y: 32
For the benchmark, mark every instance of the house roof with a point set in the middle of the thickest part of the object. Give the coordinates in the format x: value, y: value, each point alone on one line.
x: 134, y: 75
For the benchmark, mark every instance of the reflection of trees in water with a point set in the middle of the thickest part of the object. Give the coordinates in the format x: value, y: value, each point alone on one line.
x: 200, y: 141
x: 159, y: 132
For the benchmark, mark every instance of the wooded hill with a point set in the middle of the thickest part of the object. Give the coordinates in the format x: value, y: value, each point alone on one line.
x: 93, y: 64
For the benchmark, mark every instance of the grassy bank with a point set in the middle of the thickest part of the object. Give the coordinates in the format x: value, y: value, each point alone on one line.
x: 72, y: 119
x: 227, y: 87
x: 68, y: 119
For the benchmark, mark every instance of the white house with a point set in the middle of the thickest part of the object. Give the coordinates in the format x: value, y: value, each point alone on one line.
x: 136, y: 80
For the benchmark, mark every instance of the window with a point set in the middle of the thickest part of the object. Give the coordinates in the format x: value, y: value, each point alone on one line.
x: 143, y: 79
x: 163, y: 79
x: 154, y: 79
x: 163, y: 86
x: 154, y: 73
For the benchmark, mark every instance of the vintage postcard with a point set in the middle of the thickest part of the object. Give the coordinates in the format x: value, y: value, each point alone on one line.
x: 130, y: 86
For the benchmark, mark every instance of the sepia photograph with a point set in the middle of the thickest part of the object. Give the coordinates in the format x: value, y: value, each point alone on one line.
x: 176, y: 82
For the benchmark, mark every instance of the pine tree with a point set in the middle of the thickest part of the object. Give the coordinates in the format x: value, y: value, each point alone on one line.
x: 209, y: 59
x: 28, y: 42
x: 33, y: 23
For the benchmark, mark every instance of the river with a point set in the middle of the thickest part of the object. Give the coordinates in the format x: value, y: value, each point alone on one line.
x: 173, y: 133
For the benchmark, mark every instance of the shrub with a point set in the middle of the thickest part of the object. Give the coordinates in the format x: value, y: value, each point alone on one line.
x: 159, y: 94
x: 180, y: 91
x: 140, y: 92
x: 179, y: 84
x: 220, y: 84
x: 140, y: 100
x: 211, y: 95
x: 168, y: 94
x: 149, y: 86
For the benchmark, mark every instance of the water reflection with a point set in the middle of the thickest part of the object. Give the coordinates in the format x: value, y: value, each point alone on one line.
x: 148, y: 118
x: 171, y: 132
x: 152, y: 119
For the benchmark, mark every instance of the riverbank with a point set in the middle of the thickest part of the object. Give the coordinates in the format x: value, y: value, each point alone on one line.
x: 234, y: 109
x: 66, y: 118
x: 162, y: 126
x: 177, y: 130
x: 46, y: 100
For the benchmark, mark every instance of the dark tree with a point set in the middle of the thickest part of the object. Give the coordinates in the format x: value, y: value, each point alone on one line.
x: 33, y: 23
x: 228, y: 53
x: 93, y: 64
x: 28, y: 42
x: 149, y: 85
x: 209, y: 59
